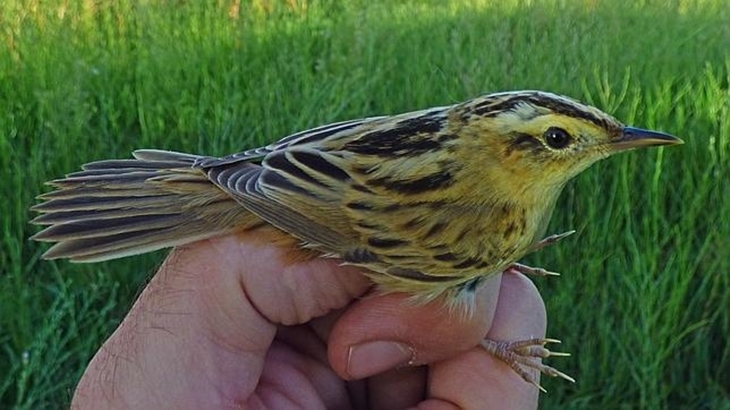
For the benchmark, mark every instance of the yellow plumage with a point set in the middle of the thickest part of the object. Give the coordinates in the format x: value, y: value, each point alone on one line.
x: 430, y: 202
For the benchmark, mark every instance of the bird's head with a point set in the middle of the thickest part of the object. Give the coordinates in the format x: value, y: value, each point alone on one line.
x: 536, y: 140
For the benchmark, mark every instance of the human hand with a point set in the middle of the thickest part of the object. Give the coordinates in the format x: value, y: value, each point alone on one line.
x: 238, y: 322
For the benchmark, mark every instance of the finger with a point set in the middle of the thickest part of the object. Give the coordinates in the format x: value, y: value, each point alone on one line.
x: 383, y: 332
x: 287, y: 284
x: 476, y: 377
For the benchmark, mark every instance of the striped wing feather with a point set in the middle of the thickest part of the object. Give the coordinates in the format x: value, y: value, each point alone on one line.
x: 310, y: 185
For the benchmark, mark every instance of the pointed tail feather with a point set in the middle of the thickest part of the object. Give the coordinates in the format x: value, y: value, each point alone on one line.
x: 118, y: 208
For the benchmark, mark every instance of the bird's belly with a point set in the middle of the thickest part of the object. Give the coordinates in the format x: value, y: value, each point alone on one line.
x: 467, y: 245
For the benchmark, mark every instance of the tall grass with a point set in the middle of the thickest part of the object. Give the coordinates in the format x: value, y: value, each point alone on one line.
x: 643, y: 303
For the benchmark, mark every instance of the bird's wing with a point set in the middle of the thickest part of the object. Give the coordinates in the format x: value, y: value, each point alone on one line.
x: 355, y: 189
x: 297, y: 191
x: 293, y: 184
x: 308, y: 137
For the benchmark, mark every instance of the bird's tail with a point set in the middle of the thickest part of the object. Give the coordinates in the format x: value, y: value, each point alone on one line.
x: 117, y: 208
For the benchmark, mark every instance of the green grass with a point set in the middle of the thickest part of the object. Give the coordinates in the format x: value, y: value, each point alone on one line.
x: 644, y: 300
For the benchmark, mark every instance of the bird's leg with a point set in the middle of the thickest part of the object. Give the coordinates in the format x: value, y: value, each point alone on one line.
x: 524, y: 355
x: 550, y: 240
x: 529, y: 270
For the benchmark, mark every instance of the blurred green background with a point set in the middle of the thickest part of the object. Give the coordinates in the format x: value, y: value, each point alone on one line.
x: 644, y: 300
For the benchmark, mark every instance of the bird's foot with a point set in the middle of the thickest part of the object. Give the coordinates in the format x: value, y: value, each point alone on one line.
x: 524, y: 355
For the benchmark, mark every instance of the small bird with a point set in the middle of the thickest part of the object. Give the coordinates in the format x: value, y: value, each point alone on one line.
x: 430, y: 202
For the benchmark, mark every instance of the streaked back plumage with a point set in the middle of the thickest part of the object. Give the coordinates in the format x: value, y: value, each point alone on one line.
x: 429, y: 201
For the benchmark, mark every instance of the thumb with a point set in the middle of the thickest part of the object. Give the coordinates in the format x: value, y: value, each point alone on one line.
x: 382, y: 332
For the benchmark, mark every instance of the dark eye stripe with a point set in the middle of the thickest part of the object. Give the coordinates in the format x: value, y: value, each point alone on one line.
x: 521, y: 141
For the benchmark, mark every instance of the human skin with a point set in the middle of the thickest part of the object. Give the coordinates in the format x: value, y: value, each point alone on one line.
x: 247, y: 321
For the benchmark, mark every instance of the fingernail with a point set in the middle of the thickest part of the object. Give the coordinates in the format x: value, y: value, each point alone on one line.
x: 371, y: 358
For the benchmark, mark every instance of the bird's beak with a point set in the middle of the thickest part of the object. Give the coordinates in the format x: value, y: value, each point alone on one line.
x: 637, y: 138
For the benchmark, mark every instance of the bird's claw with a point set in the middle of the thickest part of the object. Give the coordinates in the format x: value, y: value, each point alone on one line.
x: 523, y: 355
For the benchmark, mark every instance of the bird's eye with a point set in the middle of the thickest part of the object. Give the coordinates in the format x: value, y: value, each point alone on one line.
x: 557, y: 137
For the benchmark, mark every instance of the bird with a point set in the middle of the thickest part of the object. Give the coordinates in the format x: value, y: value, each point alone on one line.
x: 430, y: 202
